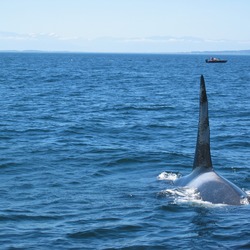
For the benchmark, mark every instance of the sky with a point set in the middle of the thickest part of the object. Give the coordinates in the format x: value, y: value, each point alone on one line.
x: 150, y: 26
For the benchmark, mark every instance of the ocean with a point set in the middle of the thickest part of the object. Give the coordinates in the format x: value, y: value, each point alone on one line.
x: 85, y: 137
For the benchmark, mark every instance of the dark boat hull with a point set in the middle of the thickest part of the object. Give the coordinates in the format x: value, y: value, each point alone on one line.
x: 216, y: 61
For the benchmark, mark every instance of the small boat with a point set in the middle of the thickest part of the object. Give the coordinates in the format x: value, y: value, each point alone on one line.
x: 215, y: 60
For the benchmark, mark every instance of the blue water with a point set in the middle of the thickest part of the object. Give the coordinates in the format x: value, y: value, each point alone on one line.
x: 83, y: 138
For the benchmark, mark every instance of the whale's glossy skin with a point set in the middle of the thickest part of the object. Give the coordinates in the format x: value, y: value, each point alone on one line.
x: 211, y: 186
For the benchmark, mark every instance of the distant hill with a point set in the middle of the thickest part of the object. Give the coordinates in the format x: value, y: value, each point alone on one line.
x: 212, y: 53
x: 226, y: 52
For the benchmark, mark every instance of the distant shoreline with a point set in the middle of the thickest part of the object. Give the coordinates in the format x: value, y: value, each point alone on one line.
x: 227, y: 52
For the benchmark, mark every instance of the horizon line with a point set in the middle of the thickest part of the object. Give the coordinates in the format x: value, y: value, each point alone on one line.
x: 242, y: 52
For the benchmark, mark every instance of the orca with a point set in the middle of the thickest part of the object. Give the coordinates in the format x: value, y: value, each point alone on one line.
x: 211, y: 186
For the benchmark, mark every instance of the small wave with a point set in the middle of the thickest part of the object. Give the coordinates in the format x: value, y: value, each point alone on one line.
x: 246, y: 201
x: 165, y: 176
x: 101, y: 173
x: 102, y: 232
x: 137, y: 107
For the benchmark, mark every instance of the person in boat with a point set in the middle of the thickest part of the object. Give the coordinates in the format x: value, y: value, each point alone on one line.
x: 214, y: 59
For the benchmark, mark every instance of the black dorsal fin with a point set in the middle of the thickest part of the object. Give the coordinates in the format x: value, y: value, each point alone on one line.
x: 202, y: 156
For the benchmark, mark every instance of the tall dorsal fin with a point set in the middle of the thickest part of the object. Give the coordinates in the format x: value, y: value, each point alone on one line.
x: 202, y: 156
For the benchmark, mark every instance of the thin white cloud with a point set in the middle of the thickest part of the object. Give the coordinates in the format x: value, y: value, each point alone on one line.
x: 29, y: 36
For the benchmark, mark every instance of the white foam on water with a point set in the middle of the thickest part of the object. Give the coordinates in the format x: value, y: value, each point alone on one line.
x: 245, y: 201
x: 165, y: 176
x: 189, y: 196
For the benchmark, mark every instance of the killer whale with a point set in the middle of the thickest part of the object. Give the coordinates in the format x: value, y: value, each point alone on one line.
x: 210, y: 185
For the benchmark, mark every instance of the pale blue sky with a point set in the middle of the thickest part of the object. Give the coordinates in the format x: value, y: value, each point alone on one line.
x: 125, y: 25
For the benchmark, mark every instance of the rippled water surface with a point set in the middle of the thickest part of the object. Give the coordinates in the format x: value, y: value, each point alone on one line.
x: 83, y: 138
